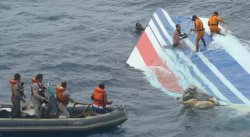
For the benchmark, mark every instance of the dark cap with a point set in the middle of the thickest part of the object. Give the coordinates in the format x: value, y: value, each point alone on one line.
x: 17, y: 76
x: 216, y: 13
x: 39, y: 76
x: 194, y: 17
x: 101, y: 85
x: 64, y: 83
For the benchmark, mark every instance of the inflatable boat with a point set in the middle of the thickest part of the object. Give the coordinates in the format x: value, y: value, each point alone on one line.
x: 222, y: 68
x: 79, y: 121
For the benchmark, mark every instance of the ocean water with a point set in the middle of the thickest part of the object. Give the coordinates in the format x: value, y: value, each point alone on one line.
x: 86, y: 42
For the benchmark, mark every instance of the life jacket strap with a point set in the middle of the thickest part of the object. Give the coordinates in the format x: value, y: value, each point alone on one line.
x: 201, y: 29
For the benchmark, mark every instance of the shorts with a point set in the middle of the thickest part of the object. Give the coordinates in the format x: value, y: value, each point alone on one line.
x: 200, y: 34
x: 98, y: 109
x: 214, y: 29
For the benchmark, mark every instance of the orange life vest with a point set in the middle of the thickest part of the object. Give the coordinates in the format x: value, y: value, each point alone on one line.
x: 33, y: 80
x: 41, y: 89
x: 12, y: 83
x: 99, y: 96
x: 213, y: 21
x: 59, y: 95
x: 198, y: 25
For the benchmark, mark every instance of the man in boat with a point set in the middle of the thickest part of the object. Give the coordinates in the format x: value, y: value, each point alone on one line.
x: 213, y: 23
x: 100, y: 99
x: 200, y: 32
x: 178, y: 36
x: 197, y: 98
x: 17, y: 90
x: 139, y: 28
x: 63, y: 98
x: 38, y: 96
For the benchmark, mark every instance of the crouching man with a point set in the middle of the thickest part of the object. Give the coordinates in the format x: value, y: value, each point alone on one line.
x: 100, y: 99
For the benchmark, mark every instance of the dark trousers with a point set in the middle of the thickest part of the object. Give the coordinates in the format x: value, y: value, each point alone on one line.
x: 15, y: 111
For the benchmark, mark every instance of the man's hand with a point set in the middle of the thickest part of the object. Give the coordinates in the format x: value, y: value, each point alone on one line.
x: 109, y: 102
x: 23, y: 100
x: 184, y: 35
x: 45, y: 99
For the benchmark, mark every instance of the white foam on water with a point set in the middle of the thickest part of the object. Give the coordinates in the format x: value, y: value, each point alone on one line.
x: 245, y: 43
x: 236, y: 49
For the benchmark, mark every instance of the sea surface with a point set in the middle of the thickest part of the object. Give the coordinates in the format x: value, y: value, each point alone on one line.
x: 89, y: 41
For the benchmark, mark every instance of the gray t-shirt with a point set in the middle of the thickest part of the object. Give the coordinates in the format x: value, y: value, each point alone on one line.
x: 35, y: 91
x: 17, y: 90
x: 67, y: 95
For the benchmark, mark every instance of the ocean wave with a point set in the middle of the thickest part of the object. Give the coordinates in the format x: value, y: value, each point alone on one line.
x: 4, y: 67
x: 55, y: 17
x: 64, y: 66
x: 4, y: 6
x: 34, y: 35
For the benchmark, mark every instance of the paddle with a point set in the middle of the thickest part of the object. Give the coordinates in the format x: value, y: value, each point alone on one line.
x: 188, y: 31
x: 186, y: 28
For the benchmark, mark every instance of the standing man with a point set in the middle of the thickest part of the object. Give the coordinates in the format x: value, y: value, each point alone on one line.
x: 200, y: 31
x: 100, y: 99
x: 213, y: 23
x: 63, y: 98
x: 177, y: 36
x: 38, y: 96
x: 17, y: 90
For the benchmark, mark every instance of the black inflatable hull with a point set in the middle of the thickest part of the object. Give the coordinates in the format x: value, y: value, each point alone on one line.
x: 117, y: 116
